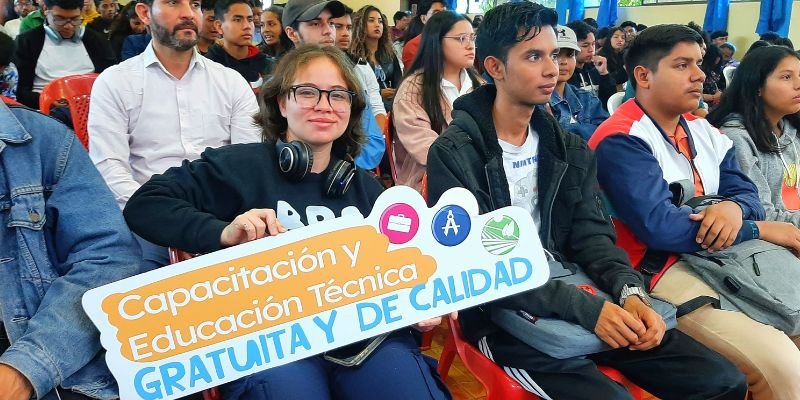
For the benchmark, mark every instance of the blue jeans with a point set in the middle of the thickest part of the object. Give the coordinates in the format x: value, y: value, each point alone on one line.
x: 153, y: 255
x: 395, y: 370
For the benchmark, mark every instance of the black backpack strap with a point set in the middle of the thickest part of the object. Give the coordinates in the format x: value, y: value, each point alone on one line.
x: 651, y: 264
x: 696, y: 303
x: 704, y: 201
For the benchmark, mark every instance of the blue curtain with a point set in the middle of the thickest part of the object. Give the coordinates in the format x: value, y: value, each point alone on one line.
x: 607, y: 14
x: 562, y: 6
x: 775, y: 16
x: 574, y: 7
x: 576, y: 10
x: 716, y: 15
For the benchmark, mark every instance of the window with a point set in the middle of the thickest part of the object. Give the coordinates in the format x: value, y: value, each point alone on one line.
x: 637, y: 3
x: 468, y: 6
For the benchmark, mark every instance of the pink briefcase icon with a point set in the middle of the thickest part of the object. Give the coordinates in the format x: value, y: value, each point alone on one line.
x: 399, y: 223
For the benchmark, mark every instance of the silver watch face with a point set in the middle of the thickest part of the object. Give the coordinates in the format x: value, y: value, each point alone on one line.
x: 636, y: 291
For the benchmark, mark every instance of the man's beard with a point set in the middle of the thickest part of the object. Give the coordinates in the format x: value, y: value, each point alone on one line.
x: 169, y: 39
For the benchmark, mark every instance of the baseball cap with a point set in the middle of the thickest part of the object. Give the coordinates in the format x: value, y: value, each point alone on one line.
x: 565, y: 37
x: 306, y: 10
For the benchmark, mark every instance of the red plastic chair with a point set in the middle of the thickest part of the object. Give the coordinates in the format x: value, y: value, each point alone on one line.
x: 498, y: 385
x: 75, y: 89
x: 424, y: 188
x: 176, y: 256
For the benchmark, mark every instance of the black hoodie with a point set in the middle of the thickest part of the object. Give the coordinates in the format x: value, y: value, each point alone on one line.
x: 574, y: 224
x: 251, y: 67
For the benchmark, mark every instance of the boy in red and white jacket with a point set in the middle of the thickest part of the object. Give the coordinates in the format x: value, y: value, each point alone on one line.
x: 652, y: 141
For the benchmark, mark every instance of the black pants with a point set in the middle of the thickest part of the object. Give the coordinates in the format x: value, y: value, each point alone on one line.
x: 680, y: 368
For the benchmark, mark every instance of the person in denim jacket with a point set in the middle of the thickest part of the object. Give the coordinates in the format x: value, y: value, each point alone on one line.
x: 61, y: 234
x: 577, y: 111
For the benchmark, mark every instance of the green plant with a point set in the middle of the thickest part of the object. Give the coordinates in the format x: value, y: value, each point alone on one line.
x: 487, y: 5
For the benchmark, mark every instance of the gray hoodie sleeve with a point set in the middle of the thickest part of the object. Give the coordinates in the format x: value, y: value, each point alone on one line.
x: 750, y: 161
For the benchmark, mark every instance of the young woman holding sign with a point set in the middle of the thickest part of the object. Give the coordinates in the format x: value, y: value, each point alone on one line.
x: 310, y: 112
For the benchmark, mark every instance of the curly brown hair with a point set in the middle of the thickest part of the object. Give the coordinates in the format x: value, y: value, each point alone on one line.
x: 273, y: 124
x: 358, y: 47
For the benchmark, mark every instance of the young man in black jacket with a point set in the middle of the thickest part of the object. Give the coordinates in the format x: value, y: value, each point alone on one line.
x: 510, y: 153
x: 58, y: 48
x: 234, y: 19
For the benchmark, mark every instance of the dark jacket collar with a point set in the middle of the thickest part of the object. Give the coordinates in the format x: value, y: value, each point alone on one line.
x: 478, y: 108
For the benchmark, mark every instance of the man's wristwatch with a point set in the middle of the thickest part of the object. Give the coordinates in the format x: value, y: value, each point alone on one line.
x: 628, y: 290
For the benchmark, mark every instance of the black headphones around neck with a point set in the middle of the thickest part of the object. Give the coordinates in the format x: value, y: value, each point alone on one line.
x: 295, y: 160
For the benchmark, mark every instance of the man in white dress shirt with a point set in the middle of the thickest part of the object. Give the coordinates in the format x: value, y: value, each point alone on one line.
x: 168, y: 104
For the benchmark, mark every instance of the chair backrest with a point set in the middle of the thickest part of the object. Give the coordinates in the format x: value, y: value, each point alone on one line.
x: 75, y: 89
x: 615, y: 101
x: 727, y: 72
x: 424, y: 189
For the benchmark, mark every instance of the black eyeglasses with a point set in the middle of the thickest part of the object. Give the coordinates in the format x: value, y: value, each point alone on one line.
x: 61, y: 21
x: 308, y: 96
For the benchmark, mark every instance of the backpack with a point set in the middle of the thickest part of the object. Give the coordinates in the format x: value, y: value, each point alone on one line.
x: 563, y: 339
x: 755, y: 277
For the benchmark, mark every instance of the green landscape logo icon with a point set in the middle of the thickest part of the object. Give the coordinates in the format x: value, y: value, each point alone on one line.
x: 500, y: 235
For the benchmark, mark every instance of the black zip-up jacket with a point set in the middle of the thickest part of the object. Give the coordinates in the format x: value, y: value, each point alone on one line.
x: 574, y: 225
x: 29, y: 47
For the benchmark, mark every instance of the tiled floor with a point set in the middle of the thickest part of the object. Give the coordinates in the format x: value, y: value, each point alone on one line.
x: 462, y: 384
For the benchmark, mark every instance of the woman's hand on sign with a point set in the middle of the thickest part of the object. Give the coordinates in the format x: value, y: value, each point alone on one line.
x: 254, y: 224
x: 429, y: 324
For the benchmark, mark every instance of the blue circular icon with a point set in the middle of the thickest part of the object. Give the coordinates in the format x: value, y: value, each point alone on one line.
x: 451, y: 225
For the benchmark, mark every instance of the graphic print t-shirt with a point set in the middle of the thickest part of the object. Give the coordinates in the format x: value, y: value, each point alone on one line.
x: 521, y: 164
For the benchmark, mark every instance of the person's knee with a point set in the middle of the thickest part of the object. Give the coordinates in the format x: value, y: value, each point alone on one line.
x: 727, y: 383
x: 395, y: 370
x: 777, y: 370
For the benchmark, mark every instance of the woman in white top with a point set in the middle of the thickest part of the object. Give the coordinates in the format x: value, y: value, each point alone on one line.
x: 440, y: 73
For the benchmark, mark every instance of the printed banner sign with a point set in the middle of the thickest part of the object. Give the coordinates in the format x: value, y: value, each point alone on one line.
x: 219, y: 317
